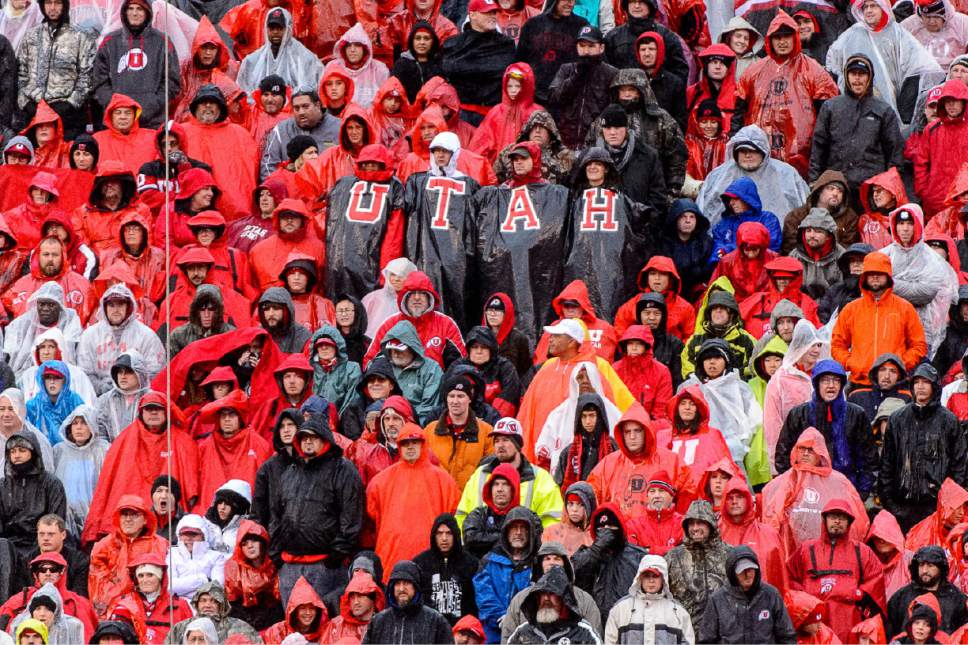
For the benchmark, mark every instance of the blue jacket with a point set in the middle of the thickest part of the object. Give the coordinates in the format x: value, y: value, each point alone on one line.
x: 47, y: 415
x: 499, y: 578
x: 724, y: 233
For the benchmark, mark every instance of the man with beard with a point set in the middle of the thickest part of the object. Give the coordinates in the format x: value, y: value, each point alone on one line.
x: 579, y: 91
x: 840, y: 570
x: 888, y: 380
x: 407, y: 619
x: 553, y: 613
x: 277, y: 316
x: 697, y: 567
x: 929, y: 575
x: 48, y: 265
x: 829, y: 192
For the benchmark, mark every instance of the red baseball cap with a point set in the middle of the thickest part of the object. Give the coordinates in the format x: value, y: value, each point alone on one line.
x: 482, y: 6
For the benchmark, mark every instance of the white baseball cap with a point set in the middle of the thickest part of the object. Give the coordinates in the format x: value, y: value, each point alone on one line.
x: 568, y: 327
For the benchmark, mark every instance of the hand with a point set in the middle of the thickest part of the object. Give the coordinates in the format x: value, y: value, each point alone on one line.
x: 606, y: 537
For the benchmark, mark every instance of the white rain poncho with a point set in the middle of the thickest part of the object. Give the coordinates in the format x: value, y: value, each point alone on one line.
x: 80, y: 383
x: 206, y: 628
x: 381, y: 303
x: 18, y: 343
x: 64, y: 630
x: 923, y: 278
x: 894, y: 52
x: 780, y: 186
x: 190, y: 570
x: 16, y: 27
x: 790, y: 386
x: 298, y: 66
x: 368, y: 77
x: 558, y: 430
x: 78, y: 467
x: 732, y: 408
x: 116, y: 410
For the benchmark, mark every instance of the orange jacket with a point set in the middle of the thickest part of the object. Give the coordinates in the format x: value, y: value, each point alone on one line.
x: 757, y: 535
x: 134, y: 149
x: 896, y: 571
x: 108, y: 579
x: 459, y: 454
x: 931, y: 530
x: 603, y: 336
x: 867, y: 328
x: 404, y: 500
x: 622, y: 478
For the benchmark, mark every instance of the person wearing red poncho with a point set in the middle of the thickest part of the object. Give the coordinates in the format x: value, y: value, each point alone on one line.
x: 135, y: 249
x: 649, y: 381
x: 251, y: 580
x: 148, y: 445
x: 808, y: 615
x: 887, y: 541
x: 150, y: 600
x: 621, y: 477
x: 47, y: 134
x: 934, y: 529
x: 227, y: 147
x: 840, y: 570
x: 292, y: 231
x: 698, y: 445
x: 359, y: 603
x: 49, y: 263
x: 124, y: 140
x: 132, y: 534
x: 738, y: 524
x: 306, y: 616
x: 504, y: 121
x: 428, y: 125
x: 24, y: 219
x: 660, y: 275
x: 233, y: 451
x: 318, y: 176
x: 404, y: 499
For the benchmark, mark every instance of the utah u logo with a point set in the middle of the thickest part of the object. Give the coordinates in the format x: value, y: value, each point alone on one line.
x: 444, y: 187
x: 135, y: 60
x: 599, y: 211
x: 520, y: 208
x: 366, y: 202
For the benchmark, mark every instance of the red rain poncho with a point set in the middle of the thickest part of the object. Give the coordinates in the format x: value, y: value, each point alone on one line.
x: 788, y: 115
x: 845, y: 574
x: 245, y: 584
x: 896, y: 571
x: 108, y: 579
x: 233, y: 156
x: 317, y: 177
x: 56, y: 153
x: 471, y: 164
x: 503, y: 122
x: 622, y: 478
x: 931, y: 530
x: 748, y: 276
x: 757, y: 535
x: 302, y: 594
x: 134, y: 149
x: 238, y: 457
x: 874, y: 227
x: 221, y: 74
x: 792, y: 502
x: 757, y: 309
x: 346, y: 628
x: 700, y: 449
x: 649, y: 381
x: 680, y: 316
x: 136, y: 445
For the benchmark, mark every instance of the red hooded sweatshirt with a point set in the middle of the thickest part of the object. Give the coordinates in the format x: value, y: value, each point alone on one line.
x: 56, y: 152
x: 504, y: 121
x: 757, y: 535
x: 649, y: 381
x: 346, y: 628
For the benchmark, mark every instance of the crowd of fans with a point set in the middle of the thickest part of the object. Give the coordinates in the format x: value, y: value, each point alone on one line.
x: 483, y: 321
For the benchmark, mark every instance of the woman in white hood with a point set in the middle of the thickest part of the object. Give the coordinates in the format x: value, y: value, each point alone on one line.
x: 78, y: 458
x: 50, y: 346
x: 382, y: 303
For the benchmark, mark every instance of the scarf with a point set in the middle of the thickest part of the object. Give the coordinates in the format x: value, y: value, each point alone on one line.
x: 834, y: 416
x: 621, y: 155
x: 577, y: 461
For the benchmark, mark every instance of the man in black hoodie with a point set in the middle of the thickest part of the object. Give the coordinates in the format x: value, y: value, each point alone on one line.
x: 447, y: 571
x: 407, y: 619
x: 590, y: 444
x: 553, y: 613
x: 607, y: 568
x: 548, y: 41
x: 318, y: 513
x: 620, y: 42
x: 27, y: 492
x: 474, y: 61
x: 131, y: 61
x: 277, y: 315
x: 888, y: 379
x: 929, y: 575
x: 579, y: 91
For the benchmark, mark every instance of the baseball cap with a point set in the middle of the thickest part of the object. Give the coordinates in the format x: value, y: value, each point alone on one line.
x: 590, y: 34
x: 743, y: 564
x: 276, y: 18
x: 568, y: 327
x: 858, y: 64
x: 508, y: 427
x: 397, y: 345
x: 482, y: 6
x: 519, y: 151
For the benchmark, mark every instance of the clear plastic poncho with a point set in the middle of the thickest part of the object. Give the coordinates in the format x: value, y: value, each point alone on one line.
x: 894, y: 52
x: 733, y: 409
